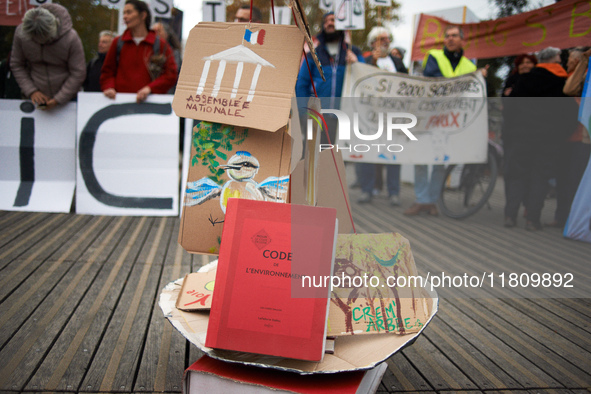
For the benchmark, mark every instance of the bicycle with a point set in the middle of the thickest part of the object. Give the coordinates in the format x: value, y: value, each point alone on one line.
x: 467, y: 187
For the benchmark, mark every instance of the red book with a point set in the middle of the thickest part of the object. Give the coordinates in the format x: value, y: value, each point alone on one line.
x: 259, y: 304
x: 208, y: 375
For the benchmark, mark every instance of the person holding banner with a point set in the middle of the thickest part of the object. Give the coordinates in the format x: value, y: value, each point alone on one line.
x: 334, y: 53
x: 138, y: 61
x: 379, y: 39
x: 447, y: 62
x: 47, y: 56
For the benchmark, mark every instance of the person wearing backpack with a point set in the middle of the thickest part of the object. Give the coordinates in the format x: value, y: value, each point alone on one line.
x: 138, y: 61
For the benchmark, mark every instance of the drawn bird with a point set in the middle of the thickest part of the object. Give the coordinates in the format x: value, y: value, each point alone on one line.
x: 241, y: 169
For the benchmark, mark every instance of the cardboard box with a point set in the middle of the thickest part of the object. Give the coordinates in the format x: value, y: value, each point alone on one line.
x: 208, y: 375
x: 238, y: 80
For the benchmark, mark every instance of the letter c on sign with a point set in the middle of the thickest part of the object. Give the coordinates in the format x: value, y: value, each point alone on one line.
x: 86, y: 152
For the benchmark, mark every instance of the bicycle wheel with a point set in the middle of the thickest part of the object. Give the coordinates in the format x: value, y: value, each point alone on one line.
x: 467, y: 187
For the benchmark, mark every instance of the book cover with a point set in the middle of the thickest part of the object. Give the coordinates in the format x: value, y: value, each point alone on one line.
x: 259, y: 304
x: 208, y: 375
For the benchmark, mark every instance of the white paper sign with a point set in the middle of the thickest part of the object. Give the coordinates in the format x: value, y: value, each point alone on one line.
x: 113, y: 3
x: 282, y: 16
x: 349, y: 14
x: 213, y: 11
x: 451, y: 117
x: 37, y: 157
x: 161, y: 8
x: 127, y: 156
x: 39, y: 2
x: 326, y: 5
x: 380, y: 3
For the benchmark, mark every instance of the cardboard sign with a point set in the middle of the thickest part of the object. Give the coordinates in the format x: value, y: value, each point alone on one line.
x: 12, y: 12
x: 213, y: 11
x: 380, y: 3
x: 197, y: 291
x: 39, y: 2
x: 390, y: 301
x: 451, y: 117
x: 239, y: 74
x: 38, y: 151
x: 127, y: 156
x: 349, y: 14
x: 229, y: 161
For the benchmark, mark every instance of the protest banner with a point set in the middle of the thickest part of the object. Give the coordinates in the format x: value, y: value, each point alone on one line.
x: 564, y: 24
x: 38, y: 151
x: 451, y: 118
x: 349, y: 14
x: 12, y: 11
x: 213, y: 11
x: 127, y: 156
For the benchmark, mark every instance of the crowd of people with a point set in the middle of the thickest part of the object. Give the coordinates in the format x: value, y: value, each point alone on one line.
x: 541, y: 137
x: 48, y: 64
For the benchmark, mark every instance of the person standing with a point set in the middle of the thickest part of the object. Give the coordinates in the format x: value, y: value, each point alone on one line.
x: 132, y: 65
x: 379, y: 39
x: 539, y: 128
x: 47, y: 56
x: 334, y: 54
x: 92, y: 83
x: 447, y: 63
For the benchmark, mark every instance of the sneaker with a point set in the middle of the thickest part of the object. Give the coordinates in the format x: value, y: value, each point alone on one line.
x: 415, y: 209
x: 533, y: 226
x: 364, y: 199
x: 394, y: 200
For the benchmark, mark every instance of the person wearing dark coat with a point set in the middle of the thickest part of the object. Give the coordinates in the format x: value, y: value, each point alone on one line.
x: 535, y: 125
x: 92, y: 83
x: 369, y: 175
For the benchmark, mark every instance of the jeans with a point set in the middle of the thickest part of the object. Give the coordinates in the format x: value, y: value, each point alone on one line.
x: 427, y: 190
x: 366, y: 176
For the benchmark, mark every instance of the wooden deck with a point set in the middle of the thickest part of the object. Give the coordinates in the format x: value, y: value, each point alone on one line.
x: 79, y: 305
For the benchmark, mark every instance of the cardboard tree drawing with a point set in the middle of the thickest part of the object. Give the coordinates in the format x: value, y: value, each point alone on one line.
x: 391, y: 301
x: 238, y: 81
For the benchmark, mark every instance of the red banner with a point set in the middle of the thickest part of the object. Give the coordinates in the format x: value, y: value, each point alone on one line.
x: 12, y: 11
x: 563, y: 25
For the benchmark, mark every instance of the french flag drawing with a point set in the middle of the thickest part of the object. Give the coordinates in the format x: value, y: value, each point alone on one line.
x: 254, y: 38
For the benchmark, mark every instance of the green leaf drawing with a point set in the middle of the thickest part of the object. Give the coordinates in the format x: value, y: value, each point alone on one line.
x: 210, y: 140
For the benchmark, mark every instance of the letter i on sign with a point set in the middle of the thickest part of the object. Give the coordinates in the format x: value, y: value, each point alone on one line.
x: 26, y: 157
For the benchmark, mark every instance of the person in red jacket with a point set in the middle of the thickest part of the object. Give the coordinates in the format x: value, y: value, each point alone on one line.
x: 133, y: 67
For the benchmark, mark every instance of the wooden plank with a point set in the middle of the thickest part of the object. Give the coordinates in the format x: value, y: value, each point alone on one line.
x: 554, y: 340
x: 512, y: 362
x: 481, y: 370
x: 66, y: 364
x: 402, y: 375
x: 538, y: 310
x: 22, y: 244
x: 554, y: 365
x: 13, y: 226
x: 437, y: 369
x: 114, y: 367
x: 17, y: 271
x: 163, y: 362
x: 27, y: 297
